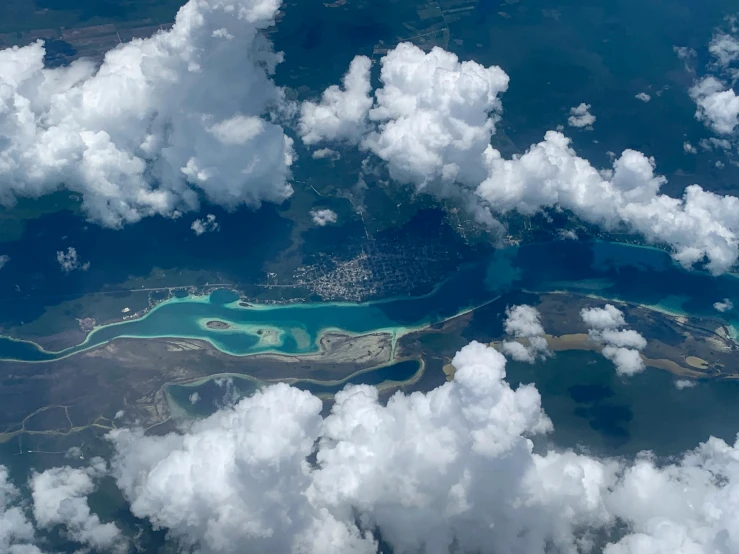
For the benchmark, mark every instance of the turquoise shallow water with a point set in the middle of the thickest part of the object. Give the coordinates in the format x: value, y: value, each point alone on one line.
x: 611, y: 270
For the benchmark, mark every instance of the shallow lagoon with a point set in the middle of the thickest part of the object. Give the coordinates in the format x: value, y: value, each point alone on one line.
x: 641, y: 275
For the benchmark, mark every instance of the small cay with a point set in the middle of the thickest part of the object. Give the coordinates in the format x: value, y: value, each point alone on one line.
x: 217, y: 324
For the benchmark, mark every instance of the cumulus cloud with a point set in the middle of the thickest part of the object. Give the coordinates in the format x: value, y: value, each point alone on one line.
x: 718, y: 106
x: 208, y: 224
x: 433, y: 115
x: 4, y: 259
x: 643, y: 96
x: 622, y: 346
x: 342, y: 114
x: 524, y: 322
x: 580, y: 116
x: 608, y: 317
x: 241, y: 479
x: 69, y: 261
x: 724, y: 305
x: 700, y: 225
x: 323, y: 217
x: 148, y: 132
x: 689, y: 148
x: 450, y: 470
x: 60, y: 499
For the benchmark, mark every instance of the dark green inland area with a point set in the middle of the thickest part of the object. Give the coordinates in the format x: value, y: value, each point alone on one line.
x: 205, y: 398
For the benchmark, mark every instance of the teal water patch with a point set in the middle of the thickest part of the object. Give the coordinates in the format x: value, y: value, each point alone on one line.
x: 617, y: 271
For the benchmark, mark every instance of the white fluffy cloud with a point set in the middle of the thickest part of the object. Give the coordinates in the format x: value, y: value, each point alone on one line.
x: 4, y: 259
x: 60, y: 498
x: 69, y: 261
x: 236, y: 480
x: 208, y: 224
x: 342, y: 114
x: 430, y: 121
x: 643, y: 96
x: 580, y: 116
x: 717, y: 103
x: 323, y: 217
x: 160, y: 122
x: 622, y: 346
x: 725, y: 305
x: 699, y: 226
x: 523, y: 322
x: 608, y: 317
x: 434, y: 115
x: 718, y: 106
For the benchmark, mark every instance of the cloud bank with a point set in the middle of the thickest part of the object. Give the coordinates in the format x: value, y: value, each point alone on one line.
x: 432, y: 121
x: 147, y: 133
x: 452, y: 470
x: 162, y: 122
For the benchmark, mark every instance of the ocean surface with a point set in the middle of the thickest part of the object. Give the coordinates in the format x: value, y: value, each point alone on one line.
x: 641, y: 275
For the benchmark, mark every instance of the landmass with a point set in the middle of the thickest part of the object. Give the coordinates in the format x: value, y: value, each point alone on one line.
x: 216, y: 324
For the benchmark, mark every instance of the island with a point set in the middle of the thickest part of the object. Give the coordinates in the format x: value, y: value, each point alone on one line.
x: 217, y: 324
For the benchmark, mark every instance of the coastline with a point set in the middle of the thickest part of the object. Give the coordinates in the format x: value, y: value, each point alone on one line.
x: 270, y: 337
